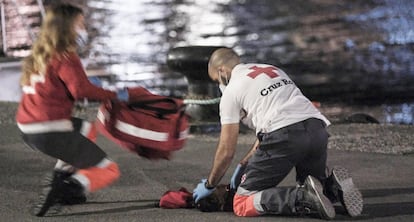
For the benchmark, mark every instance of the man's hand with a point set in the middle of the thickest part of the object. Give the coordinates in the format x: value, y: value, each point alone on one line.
x: 201, y: 191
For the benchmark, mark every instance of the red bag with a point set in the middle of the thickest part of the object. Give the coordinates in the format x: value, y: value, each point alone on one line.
x: 177, y: 199
x: 146, y: 122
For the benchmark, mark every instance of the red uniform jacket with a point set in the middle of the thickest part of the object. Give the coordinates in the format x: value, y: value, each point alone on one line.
x: 48, y: 101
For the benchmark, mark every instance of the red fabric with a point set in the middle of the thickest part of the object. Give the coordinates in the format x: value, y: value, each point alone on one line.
x: 147, y: 153
x: 52, y: 97
x: 92, y: 134
x: 148, y: 121
x: 177, y: 199
x: 100, y: 177
x: 243, y: 206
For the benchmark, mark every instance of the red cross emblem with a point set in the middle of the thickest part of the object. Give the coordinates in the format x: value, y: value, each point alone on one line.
x: 269, y: 71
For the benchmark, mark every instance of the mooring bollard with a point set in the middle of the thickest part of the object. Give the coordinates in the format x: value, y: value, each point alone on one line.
x: 203, y: 94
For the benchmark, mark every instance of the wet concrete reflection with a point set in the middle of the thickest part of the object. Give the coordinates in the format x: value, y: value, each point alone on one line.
x: 132, y: 38
x: 335, y: 50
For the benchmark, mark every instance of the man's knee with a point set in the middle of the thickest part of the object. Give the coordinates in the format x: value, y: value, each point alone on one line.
x: 243, y: 206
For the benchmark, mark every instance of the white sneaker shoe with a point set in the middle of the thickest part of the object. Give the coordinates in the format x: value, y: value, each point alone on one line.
x: 346, y: 192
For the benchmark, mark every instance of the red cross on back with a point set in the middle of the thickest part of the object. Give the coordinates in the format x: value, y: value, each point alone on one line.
x: 269, y: 71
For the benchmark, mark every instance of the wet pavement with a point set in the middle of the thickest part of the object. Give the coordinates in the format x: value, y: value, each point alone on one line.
x: 341, y: 51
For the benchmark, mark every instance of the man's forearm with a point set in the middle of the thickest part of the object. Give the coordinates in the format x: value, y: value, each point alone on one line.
x: 222, y: 162
x: 224, y: 153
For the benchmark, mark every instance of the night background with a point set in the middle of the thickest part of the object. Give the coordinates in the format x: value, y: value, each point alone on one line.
x: 350, y: 53
x: 352, y: 58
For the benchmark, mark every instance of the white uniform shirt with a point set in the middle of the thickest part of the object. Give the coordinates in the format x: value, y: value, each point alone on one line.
x: 264, y: 98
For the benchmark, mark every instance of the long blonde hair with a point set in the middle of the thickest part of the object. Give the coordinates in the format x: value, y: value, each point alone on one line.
x: 57, y: 37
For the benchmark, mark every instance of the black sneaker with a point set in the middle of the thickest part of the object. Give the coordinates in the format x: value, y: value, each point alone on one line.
x: 58, y: 189
x: 49, y: 196
x: 76, y: 195
x: 344, y: 190
x: 73, y: 192
x: 312, y: 200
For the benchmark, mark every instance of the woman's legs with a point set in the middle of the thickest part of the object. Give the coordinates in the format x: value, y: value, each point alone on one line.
x: 87, y: 164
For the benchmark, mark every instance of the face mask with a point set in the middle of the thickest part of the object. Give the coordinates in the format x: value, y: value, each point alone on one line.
x: 223, y: 80
x: 82, y: 38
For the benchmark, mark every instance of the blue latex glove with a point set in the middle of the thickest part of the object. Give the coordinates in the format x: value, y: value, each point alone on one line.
x: 122, y: 95
x: 95, y: 81
x: 236, y: 177
x: 201, y: 191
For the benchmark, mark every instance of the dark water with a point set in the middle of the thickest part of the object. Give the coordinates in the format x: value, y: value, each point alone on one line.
x: 352, y: 49
x: 355, y: 54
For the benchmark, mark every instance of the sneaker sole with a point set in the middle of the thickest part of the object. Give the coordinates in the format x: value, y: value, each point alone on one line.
x: 327, y: 211
x: 349, y: 195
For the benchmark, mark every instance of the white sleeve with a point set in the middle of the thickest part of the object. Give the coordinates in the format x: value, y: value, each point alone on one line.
x: 229, y: 109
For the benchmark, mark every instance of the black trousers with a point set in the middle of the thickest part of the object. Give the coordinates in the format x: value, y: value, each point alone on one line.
x: 302, y: 146
x: 70, y: 147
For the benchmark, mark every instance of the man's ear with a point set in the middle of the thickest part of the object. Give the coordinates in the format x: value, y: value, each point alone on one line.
x: 214, y: 74
x: 223, y: 69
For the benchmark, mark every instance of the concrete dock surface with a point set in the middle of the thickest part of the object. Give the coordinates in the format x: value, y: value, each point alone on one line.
x: 379, y: 157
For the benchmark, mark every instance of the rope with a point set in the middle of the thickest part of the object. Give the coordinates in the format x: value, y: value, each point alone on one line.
x: 80, y: 105
x: 202, y: 101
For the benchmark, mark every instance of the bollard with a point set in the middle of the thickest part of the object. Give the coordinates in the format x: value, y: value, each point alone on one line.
x: 192, y: 62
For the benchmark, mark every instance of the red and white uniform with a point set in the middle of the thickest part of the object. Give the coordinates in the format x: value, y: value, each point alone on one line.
x: 291, y: 132
x: 265, y: 99
x: 47, y: 103
x: 45, y: 119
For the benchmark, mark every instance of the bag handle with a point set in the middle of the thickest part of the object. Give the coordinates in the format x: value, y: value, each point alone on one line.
x: 146, y: 104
